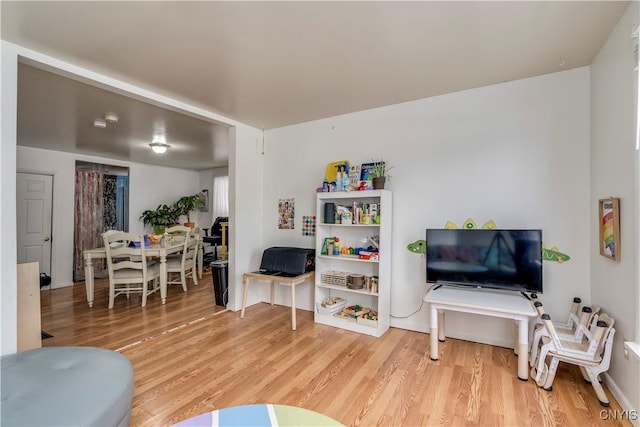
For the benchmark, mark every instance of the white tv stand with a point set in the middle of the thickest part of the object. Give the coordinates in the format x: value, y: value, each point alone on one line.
x: 486, y: 302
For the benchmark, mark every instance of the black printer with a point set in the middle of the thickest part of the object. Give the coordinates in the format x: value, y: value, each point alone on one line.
x: 287, y: 261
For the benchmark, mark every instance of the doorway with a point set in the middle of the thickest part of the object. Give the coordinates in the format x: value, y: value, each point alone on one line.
x: 34, y: 202
x: 101, y: 204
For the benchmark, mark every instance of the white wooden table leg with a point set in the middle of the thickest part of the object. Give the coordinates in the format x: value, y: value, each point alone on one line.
x: 434, y: 334
x: 88, y: 279
x: 271, y: 296
x: 163, y: 277
x: 200, y: 261
x: 441, y: 325
x: 523, y: 351
x: 293, y: 307
x: 245, y: 281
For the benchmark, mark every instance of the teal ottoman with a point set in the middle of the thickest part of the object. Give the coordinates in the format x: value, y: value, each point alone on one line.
x: 66, y: 386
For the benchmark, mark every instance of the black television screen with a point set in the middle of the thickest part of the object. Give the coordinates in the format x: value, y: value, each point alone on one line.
x: 499, y: 259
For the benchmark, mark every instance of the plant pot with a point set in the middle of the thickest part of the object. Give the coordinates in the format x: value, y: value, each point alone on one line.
x: 159, y: 229
x: 378, y: 183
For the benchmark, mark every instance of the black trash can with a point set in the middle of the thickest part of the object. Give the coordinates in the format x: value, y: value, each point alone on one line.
x: 220, y: 274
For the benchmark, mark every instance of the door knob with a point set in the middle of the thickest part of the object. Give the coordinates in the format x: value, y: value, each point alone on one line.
x: 46, y: 239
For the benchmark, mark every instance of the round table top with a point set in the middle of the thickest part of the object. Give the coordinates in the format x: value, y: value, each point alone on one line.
x: 260, y: 415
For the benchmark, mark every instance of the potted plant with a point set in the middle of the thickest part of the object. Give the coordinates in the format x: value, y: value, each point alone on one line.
x: 379, y: 174
x: 187, y: 204
x: 159, y: 218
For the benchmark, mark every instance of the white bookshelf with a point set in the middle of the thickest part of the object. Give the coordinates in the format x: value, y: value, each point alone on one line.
x: 351, y: 235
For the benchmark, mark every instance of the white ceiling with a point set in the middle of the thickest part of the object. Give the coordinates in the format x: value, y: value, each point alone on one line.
x: 272, y: 64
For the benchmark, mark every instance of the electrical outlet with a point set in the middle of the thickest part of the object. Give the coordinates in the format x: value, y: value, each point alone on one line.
x: 625, y: 350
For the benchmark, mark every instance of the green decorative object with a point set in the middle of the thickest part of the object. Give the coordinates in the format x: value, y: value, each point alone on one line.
x: 553, y: 254
x: 159, y: 218
x: 380, y: 169
x: 187, y: 204
x: 418, y: 247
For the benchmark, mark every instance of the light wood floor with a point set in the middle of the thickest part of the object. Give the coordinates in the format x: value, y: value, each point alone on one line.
x: 221, y: 360
x: 67, y: 316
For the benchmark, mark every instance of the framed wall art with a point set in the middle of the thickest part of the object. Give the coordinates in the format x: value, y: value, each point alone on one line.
x: 609, y: 219
x: 203, y: 197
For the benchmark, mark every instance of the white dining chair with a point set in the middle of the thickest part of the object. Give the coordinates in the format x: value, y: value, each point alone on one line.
x: 129, y: 271
x: 180, y: 268
x: 178, y: 230
x: 177, y: 233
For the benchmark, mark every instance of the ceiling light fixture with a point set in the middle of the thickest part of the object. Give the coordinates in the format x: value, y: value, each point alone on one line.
x: 159, y: 147
x: 100, y: 123
x: 111, y: 118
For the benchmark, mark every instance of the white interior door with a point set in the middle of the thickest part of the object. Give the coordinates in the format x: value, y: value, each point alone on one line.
x: 34, y: 205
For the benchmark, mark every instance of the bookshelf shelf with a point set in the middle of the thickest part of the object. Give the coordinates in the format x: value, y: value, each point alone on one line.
x: 350, y: 225
x: 345, y: 289
x: 348, y: 258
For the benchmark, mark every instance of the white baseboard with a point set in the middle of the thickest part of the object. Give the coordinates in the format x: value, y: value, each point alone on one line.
x: 498, y: 342
x: 634, y: 415
x: 409, y: 325
x: 422, y: 327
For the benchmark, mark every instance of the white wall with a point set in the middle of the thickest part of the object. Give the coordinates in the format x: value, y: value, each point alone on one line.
x: 167, y: 185
x: 8, y: 253
x: 517, y: 153
x: 614, y: 172
x: 245, y: 194
x: 205, y: 219
x: 245, y: 209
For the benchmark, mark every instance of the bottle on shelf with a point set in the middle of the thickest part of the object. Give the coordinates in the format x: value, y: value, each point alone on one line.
x: 345, y: 178
x: 339, y: 179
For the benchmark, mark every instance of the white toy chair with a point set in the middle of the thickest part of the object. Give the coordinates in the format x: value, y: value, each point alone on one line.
x: 571, y: 322
x: 592, y: 355
x: 573, y: 330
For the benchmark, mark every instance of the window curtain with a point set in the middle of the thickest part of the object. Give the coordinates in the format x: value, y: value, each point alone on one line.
x: 109, y: 203
x: 220, y: 196
x: 89, y: 212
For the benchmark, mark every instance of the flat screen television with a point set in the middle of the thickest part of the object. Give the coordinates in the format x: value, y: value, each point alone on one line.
x: 497, y: 259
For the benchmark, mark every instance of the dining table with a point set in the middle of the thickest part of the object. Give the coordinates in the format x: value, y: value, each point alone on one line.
x: 155, y: 250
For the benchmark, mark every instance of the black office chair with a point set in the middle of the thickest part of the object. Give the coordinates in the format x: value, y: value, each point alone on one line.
x: 215, y: 238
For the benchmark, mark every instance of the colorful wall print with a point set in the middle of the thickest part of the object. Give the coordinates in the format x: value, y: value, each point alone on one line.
x: 286, y: 213
x: 609, y: 219
x: 309, y: 225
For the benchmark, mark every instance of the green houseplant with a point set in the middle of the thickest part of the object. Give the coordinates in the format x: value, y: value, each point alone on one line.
x: 379, y: 174
x: 187, y: 204
x: 159, y: 218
